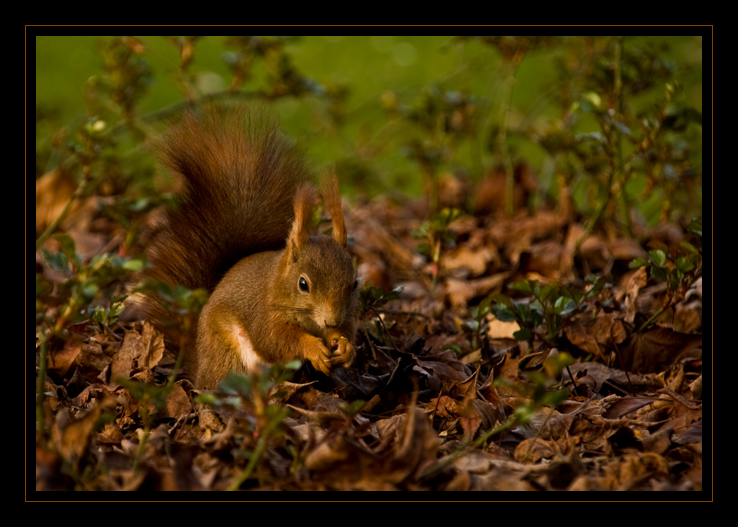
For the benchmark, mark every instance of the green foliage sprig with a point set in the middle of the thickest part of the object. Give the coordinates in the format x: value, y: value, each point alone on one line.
x: 249, y: 397
x: 678, y: 272
x: 437, y: 235
x: 86, y: 281
x: 372, y: 298
x: 552, y: 304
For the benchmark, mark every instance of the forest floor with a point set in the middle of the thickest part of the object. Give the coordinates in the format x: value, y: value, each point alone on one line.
x: 567, y: 383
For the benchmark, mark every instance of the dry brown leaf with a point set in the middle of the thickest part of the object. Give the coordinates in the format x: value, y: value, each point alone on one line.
x: 628, y: 472
x: 595, y: 252
x: 177, y: 403
x: 657, y: 349
x: 53, y: 191
x: 637, y: 280
x: 625, y: 249
x: 682, y: 318
x: 61, y: 360
x: 444, y: 406
x: 125, y: 359
x: 626, y: 405
x: 153, y: 347
x: 497, y: 329
x: 550, y: 259
x: 417, y: 446
x: 600, y: 374
x: 96, y: 356
x: 282, y: 392
x: 595, y: 335
x: 692, y: 434
x: 533, y: 450
x: 658, y: 442
x: 71, y: 435
x: 460, y: 292
x: 464, y: 261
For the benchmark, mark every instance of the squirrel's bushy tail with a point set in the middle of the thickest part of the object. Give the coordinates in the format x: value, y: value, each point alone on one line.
x: 238, y: 178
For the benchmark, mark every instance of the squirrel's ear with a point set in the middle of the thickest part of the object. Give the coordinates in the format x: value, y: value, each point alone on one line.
x: 332, y: 199
x: 304, y: 204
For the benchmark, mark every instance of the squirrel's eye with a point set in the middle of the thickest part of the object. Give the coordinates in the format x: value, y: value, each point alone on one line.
x: 356, y: 283
x: 302, y: 284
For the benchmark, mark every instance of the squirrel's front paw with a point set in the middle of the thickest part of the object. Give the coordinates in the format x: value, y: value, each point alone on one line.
x: 318, y: 354
x: 342, y: 349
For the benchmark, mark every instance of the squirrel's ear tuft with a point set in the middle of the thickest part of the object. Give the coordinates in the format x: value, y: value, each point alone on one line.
x: 332, y: 199
x: 304, y: 204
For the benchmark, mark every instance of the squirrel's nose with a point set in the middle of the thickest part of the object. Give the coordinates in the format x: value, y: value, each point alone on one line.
x: 332, y: 320
x: 333, y: 316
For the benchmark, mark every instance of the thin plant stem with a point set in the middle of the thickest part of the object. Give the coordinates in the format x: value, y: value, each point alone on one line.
x: 617, y: 162
x: 255, y: 455
x: 141, y: 446
x: 650, y: 319
x: 469, y: 445
x: 618, y: 135
x: 502, y: 138
x: 41, y: 383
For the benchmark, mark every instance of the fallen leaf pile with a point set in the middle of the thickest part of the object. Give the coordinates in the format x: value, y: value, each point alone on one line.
x: 416, y: 409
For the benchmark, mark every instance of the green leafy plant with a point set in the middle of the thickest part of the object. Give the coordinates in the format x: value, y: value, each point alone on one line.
x: 436, y: 235
x: 249, y: 397
x: 86, y: 282
x: 372, y: 298
x: 151, y: 399
x: 183, y: 304
x: 473, y: 328
x: 75, y: 298
x: 551, y: 305
x: 440, y: 119
x: 540, y: 389
x: 678, y: 272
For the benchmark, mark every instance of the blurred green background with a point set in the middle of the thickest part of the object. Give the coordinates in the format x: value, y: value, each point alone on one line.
x: 386, y: 83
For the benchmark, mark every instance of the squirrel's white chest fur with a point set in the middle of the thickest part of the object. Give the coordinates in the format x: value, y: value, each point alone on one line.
x: 251, y: 361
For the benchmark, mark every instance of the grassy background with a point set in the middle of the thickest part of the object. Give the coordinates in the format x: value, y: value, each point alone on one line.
x: 370, y: 67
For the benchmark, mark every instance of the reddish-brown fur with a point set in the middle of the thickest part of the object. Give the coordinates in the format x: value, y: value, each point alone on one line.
x: 241, y: 230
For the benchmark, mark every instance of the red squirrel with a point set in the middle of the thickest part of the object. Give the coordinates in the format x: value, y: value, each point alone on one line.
x: 240, y: 229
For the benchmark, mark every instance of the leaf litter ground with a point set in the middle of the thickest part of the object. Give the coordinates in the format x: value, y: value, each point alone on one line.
x: 438, y: 399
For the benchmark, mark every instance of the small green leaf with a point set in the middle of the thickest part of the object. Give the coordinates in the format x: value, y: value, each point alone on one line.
x: 58, y: 261
x: 503, y: 313
x: 623, y: 129
x: 133, y: 265
x: 206, y: 398
x: 526, y: 286
x: 525, y: 314
x: 424, y: 248
x: 499, y: 298
x: 658, y: 257
x: 293, y: 365
x: 684, y: 264
x: 590, y: 102
x: 695, y: 226
x: 658, y: 273
x: 67, y: 244
x: 689, y: 247
x: 569, y: 307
